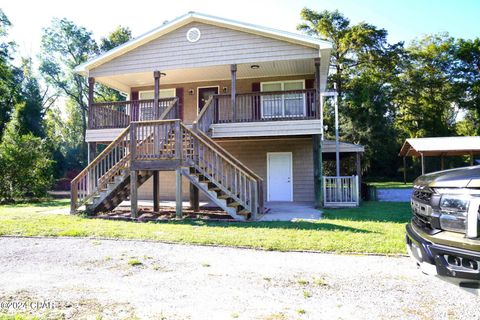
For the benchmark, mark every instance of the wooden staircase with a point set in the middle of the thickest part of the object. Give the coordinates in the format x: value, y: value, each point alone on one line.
x: 167, y: 145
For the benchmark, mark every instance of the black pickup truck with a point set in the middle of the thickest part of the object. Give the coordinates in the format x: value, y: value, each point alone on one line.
x: 443, y: 236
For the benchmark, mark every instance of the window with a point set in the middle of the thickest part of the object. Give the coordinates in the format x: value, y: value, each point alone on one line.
x: 146, y: 110
x: 283, y: 105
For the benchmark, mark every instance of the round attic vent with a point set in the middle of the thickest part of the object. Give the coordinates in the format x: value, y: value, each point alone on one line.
x: 193, y: 35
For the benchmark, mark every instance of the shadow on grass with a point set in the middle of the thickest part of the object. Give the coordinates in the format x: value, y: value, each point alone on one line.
x: 398, y: 212
x: 285, y: 225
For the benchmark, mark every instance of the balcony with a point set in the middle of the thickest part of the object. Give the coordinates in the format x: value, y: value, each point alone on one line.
x: 115, y: 115
x: 293, y: 112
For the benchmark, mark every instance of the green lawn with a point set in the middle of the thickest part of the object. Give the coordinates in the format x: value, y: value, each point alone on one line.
x: 375, y: 227
x: 391, y: 185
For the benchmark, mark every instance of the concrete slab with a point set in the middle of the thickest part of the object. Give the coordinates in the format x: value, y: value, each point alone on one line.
x: 290, y: 211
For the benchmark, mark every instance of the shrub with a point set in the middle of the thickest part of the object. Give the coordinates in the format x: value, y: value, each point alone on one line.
x: 26, y: 167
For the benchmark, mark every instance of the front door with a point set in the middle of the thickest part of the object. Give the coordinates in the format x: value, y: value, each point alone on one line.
x: 204, y: 94
x: 279, y: 172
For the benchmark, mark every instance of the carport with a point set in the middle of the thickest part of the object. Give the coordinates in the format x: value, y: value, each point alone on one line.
x: 439, y: 147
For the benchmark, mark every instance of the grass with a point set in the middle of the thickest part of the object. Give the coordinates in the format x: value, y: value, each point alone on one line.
x: 134, y: 262
x: 375, y: 227
x: 391, y: 185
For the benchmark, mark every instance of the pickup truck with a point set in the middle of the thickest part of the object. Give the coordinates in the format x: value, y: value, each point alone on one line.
x: 443, y: 236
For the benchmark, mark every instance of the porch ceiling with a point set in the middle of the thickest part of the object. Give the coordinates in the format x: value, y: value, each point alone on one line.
x: 124, y: 82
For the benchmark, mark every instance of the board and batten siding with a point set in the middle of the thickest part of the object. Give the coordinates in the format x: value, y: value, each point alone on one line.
x: 254, y: 155
x: 217, y: 46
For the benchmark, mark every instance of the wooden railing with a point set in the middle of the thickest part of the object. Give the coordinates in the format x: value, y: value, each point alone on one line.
x: 113, y: 159
x: 158, y: 137
x: 341, y: 191
x: 95, y: 176
x: 266, y: 106
x: 106, y: 115
x: 223, y: 170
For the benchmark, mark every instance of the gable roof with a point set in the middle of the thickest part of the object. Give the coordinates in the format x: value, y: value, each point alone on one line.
x: 438, y: 146
x: 199, y: 17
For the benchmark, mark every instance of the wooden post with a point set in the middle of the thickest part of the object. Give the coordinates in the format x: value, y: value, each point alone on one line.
x: 317, y: 170
x: 442, y: 162
x: 156, y: 94
x: 404, y: 170
x: 156, y: 191
x: 233, y: 73
x: 471, y: 158
x: 359, y: 168
x: 91, y: 87
x: 92, y: 151
x: 423, y: 163
x: 133, y: 193
x: 133, y: 173
x: 194, y: 200
x: 178, y: 192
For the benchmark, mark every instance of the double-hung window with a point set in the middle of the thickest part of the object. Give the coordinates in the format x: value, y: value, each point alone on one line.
x: 283, y: 105
x: 146, y: 110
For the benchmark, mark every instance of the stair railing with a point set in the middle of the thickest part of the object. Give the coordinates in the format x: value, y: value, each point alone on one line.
x: 223, y: 170
x: 110, y: 162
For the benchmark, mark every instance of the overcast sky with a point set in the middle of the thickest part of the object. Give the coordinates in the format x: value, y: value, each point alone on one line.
x: 404, y: 19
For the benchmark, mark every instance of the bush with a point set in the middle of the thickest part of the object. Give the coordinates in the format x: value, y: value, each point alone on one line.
x: 26, y: 167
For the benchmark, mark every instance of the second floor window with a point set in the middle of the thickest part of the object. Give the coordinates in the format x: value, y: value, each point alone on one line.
x: 283, y: 105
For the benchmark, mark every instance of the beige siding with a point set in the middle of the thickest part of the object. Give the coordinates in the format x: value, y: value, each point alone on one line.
x: 217, y: 46
x: 254, y: 155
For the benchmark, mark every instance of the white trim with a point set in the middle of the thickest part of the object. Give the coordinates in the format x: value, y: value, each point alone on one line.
x: 205, y: 87
x: 291, y: 174
x: 282, y: 83
x: 198, y: 17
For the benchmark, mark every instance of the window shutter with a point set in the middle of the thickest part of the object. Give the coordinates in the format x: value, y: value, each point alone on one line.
x: 256, y: 101
x: 134, y: 111
x: 180, y: 102
x: 309, y: 83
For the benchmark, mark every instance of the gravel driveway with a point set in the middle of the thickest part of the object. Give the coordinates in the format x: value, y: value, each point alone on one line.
x: 92, y: 279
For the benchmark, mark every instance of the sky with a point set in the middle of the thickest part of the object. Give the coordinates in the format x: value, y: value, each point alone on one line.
x: 404, y: 20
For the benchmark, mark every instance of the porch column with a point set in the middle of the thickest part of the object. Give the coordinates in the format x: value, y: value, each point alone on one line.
x: 317, y: 170
x: 178, y: 192
x: 91, y: 86
x: 194, y: 202
x: 156, y: 94
x: 442, y: 162
x: 404, y: 170
x: 423, y: 163
x: 471, y: 158
x: 233, y: 73
x: 92, y: 151
x: 359, y: 168
x: 133, y: 193
x: 156, y: 191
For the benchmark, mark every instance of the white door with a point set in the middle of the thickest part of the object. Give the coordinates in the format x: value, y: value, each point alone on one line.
x: 280, y: 180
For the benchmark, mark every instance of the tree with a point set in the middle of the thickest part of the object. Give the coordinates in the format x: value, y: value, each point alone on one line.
x: 8, y: 75
x: 26, y: 166
x: 468, y: 54
x: 117, y: 37
x: 428, y: 89
x: 365, y: 66
x: 64, y: 46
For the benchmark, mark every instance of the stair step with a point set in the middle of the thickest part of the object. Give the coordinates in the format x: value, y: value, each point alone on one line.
x: 233, y: 204
x: 243, y: 212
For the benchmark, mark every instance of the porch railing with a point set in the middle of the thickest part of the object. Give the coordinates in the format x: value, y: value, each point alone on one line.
x: 107, y: 115
x: 341, y: 191
x: 266, y: 106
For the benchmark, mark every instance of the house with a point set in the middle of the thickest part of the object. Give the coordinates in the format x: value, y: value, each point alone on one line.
x: 214, y: 105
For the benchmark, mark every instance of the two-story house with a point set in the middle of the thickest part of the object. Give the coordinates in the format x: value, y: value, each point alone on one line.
x: 218, y: 106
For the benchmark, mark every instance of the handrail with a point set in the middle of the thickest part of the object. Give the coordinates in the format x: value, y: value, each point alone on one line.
x: 235, y: 179
x: 109, y: 162
x: 265, y: 93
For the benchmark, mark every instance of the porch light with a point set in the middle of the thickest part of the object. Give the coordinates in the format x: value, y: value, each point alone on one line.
x: 162, y: 74
x: 255, y: 66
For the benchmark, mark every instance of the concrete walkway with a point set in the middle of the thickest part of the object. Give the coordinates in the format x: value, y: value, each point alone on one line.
x: 290, y: 211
